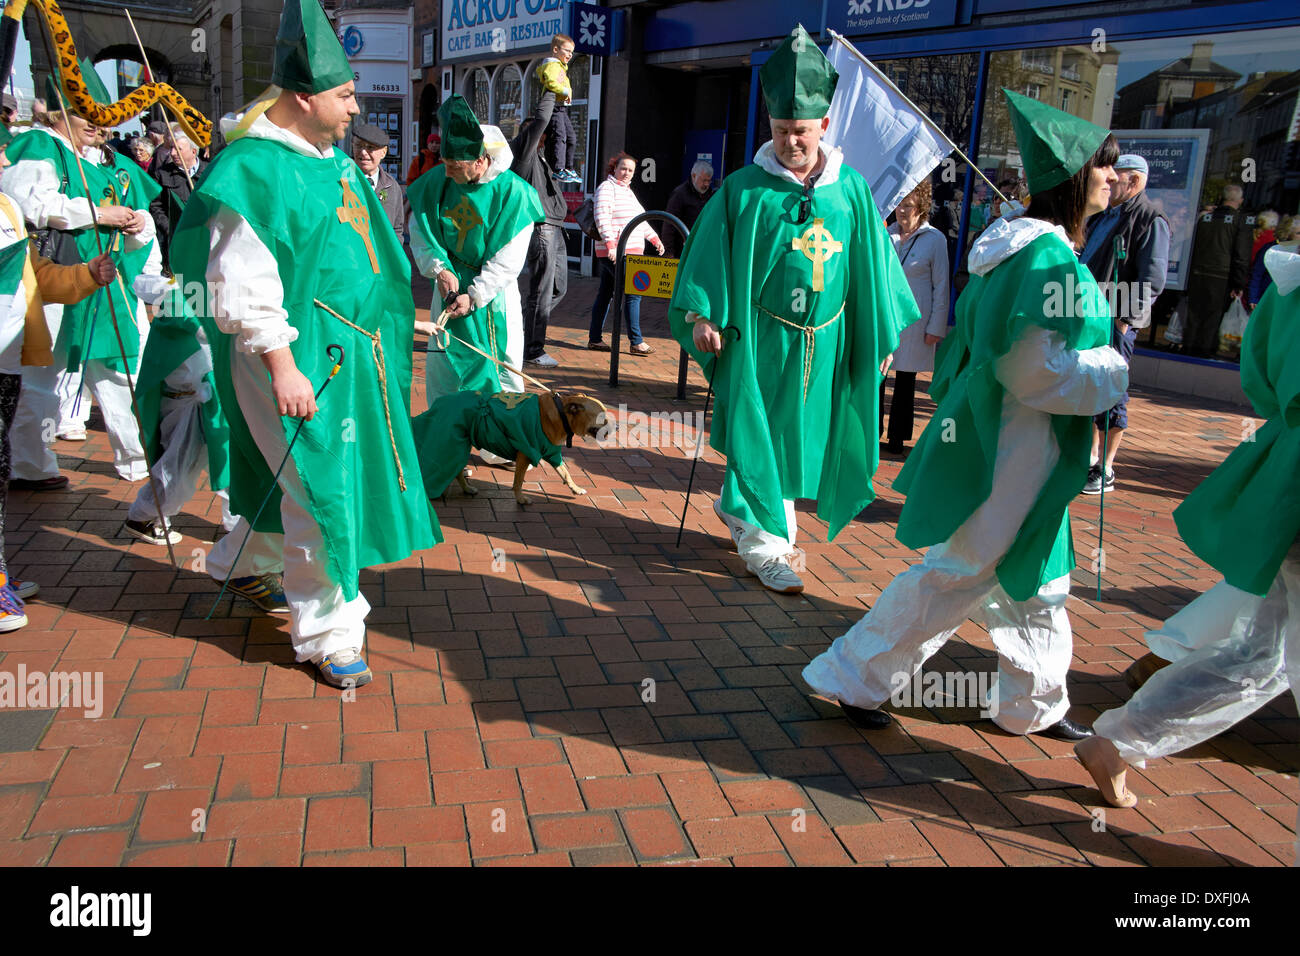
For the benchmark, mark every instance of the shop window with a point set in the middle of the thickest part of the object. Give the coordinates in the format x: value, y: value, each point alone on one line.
x: 508, y: 99
x: 474, y: 87
x: 1209, y: 113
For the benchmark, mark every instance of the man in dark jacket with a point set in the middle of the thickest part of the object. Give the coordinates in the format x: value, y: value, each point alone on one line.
x: 176, y: 185
x: 548, y: 258
x: 369, y: 147
x: 1219, y: 270
x: 685, y: 202
x: 1127, y: 252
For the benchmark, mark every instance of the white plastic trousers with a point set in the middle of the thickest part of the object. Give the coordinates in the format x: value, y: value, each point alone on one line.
x: 1233, y: 672
x: 113, y: 395
x: 322, y: 620
x: 756, y: 545
x: 1202, y: 622
x: 179, y: 468
x: 923, y: 607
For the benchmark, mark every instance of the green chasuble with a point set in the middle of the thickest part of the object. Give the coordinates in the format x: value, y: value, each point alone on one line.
x: 950, y: 472
x: 505, y: 423
x: 173, y: 338
x: 1245, y: 516
x: 328, y: 234
x: 87, y: 331
x: 797, y: 394
x: 465, y: 226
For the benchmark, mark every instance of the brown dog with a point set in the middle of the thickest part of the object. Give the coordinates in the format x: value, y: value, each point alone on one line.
x: 504, y: 424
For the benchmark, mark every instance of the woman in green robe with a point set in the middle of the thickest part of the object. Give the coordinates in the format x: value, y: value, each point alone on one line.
x: 1244, y: 520
x: 1007, y: 449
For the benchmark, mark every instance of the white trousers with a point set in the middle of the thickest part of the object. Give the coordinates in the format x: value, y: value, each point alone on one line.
x: 923, y: 607
x: 36, y: 421
x: 179, y: 467
x: 1233, y: 671
x: 756, y: 545
x: 322, y: 620
x: 1202, y: 622
x: 112, y: 393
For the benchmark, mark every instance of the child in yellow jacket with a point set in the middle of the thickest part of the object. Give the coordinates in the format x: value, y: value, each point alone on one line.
x: 25, y: 340
x: 561, y: 138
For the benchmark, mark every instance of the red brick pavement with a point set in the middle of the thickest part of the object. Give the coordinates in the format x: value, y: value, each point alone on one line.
x: 512, y: 720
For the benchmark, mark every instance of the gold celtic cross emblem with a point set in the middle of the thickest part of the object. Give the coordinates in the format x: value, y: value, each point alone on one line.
x: 355, y: 214
x: 819, y: 245
x: 464, y: 217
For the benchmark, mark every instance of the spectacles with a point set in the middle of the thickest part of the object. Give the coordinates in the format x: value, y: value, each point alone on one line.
x: 370, y: 147
x: 805, y: 201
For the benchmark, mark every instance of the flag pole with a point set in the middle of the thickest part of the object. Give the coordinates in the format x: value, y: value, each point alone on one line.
x: 836, y: 37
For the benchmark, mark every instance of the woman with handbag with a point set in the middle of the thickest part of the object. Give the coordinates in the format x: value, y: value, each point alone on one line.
x: 616, y: 206
x: 923, y: 252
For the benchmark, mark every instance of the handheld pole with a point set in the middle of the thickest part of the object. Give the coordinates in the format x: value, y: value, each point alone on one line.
x: 700, y: 438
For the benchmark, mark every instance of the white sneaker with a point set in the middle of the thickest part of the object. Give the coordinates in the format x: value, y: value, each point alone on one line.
x: 776, y: 575
x: 722, y: 516
x: 72, y: 434
x: 490, y: 459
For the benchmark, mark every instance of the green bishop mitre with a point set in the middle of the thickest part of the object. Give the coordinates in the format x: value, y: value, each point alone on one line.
x: 798, y: 81
x: 462, y: 136
x: 94, y: 85
x: 1053, y: 144
x: 308, y: 55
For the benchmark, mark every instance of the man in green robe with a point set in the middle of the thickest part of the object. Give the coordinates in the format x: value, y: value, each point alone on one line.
x: 792, y: 254
x: 471, y: 222
x: 87, y: 330
x: 45, y: 181
x: 297, y: 257
x: 1007, y: 449
x: 1243, y: 520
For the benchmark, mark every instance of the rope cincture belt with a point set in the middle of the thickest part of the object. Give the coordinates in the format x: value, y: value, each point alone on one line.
x: 808, y: 331
x: 382, y: 371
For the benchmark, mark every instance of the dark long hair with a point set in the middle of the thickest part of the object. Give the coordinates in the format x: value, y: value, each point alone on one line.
x: 1064, y: 203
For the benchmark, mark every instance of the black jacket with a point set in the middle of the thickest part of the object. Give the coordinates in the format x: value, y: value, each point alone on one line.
x: 684, y: 202
x: 167, y: 206
x: 1221, y: 246
x: 531, y: 165
x: 1146, y: 259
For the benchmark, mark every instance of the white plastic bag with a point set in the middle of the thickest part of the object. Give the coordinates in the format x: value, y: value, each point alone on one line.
x: 1232, y: 328
x: 1174, y: 331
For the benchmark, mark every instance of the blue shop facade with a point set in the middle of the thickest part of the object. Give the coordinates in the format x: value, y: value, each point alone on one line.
x: 1208, y: 91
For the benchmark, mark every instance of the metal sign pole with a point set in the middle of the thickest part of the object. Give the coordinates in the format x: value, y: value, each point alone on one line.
x: 616, y: 305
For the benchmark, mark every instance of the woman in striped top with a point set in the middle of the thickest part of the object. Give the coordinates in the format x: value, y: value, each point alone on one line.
x: 615, y: 207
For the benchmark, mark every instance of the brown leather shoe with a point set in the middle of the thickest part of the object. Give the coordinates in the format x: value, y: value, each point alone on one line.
x: 640, y: 349
x: 57, y: 483
x: 1140, y: 671
x: 598, y: 346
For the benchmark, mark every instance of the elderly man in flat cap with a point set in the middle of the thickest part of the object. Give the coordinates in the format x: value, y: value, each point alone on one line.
x: 369, y: 147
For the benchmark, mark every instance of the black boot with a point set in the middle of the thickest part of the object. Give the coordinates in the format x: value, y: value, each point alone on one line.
x: 862, y: 717
x: 1066, y: 729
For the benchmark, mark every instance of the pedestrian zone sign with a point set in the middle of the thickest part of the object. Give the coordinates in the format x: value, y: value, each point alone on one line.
x: 650, y: 275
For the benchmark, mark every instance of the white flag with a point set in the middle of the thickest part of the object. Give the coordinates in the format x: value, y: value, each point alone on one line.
x: 883, y: 136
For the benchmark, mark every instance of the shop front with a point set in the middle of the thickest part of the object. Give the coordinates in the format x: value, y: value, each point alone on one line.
x: 1208, y: 93
x: 378, y: 45
x: 490, y: 52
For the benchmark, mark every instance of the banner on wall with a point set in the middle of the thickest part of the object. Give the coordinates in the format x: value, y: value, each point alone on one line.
x: 1176, y: 163
x: 479, y: 29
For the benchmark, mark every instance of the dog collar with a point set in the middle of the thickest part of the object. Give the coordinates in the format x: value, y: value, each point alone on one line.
x: 564, y: 419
